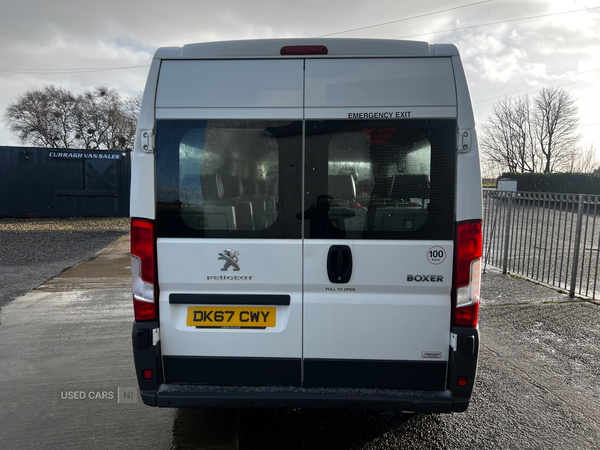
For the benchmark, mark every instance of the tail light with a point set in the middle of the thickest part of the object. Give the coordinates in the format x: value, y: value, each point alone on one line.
x: 304, y: 50
x: 468, y: 273
x: 143, y: 269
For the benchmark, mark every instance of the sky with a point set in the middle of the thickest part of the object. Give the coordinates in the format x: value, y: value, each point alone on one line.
x: 508, y: 47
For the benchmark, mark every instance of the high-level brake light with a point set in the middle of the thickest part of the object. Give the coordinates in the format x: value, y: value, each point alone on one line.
x: 304, y: 50
x: 143, y: 269
x: 468, y: 273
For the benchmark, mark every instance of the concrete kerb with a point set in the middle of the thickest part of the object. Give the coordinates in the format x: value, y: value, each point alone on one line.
x: 108, y: 268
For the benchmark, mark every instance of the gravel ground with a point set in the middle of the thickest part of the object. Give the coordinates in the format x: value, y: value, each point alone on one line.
x: 32, y: 251
x: 65, y: 224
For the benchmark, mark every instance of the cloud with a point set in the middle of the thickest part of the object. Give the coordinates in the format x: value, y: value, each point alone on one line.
x: 498, y: 59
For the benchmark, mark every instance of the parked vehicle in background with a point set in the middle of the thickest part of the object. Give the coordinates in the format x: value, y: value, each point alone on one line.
x: 306, y: 226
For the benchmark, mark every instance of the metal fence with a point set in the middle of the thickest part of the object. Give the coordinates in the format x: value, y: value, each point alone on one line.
x: 547, y: 237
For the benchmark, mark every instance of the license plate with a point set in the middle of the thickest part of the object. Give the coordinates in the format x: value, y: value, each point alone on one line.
x: 231, y: 316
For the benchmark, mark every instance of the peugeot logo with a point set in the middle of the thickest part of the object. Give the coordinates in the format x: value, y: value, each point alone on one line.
x: 230, y: 257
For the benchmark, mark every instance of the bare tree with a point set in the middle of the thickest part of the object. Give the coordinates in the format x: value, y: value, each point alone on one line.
x: 54, y: 117
x: 508, y: 139
x: 491, y: 168
x: 107, y: 121
x: 585, y: 160
x: 556, y: 125
x: 529, y: 137
x: 43, y: 117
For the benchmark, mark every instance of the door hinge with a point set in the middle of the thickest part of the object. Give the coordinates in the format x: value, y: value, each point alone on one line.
x: 155, y: 336
x: 464, y: 140
x: 454, y: 341
x: 147, y: 141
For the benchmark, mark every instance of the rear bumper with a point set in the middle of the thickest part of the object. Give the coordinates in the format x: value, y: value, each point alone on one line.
x: 455, y: 398
x: 181, y: 396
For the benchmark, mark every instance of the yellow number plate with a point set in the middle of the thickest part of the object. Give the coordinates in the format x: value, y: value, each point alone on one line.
x: 231, y: 316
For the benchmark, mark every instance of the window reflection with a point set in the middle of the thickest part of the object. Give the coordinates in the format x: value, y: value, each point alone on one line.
x: 395, y: 177
x: 228, y: 178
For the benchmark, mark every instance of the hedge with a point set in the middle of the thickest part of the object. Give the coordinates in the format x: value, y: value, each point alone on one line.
x: 567, y: 183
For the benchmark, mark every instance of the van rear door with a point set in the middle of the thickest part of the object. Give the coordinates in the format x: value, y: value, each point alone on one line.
x: 364, y: 299
x: 229, y: 249
x: 378, y: 222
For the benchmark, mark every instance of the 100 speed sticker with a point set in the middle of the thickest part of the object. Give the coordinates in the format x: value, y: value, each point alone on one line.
x: 436, y: 255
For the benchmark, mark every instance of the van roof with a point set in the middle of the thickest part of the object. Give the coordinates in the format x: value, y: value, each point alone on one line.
x: 270, y: 48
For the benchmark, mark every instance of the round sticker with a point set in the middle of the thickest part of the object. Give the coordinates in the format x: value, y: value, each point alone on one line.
x: 436, y: 255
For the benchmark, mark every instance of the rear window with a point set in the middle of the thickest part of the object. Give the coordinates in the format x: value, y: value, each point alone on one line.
x: 380, y: 179
x: 228, y: 178
x: 362, y: 179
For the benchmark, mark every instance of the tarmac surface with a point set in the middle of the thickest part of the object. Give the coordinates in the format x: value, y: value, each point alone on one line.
x: 67, y: 378
x: 29, y: 258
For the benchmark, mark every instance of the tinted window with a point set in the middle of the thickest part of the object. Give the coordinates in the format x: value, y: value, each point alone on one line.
x: 363, y: 179
x: 380, y: 179
x: 223, y: 178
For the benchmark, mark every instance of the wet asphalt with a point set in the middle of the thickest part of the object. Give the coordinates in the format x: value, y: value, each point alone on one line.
x: 66, y: 373
x: 30, y: 258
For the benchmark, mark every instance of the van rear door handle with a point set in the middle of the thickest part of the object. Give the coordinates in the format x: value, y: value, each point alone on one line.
x: 339, y: 264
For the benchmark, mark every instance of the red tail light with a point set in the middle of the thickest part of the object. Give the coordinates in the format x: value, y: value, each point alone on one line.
x: 468, y: 273
x: 143, y: 269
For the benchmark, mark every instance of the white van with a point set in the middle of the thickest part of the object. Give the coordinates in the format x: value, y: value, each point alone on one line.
x: 306, y: 226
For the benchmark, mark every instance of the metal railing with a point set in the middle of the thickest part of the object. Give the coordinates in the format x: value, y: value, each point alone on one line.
x: 547, y: 237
